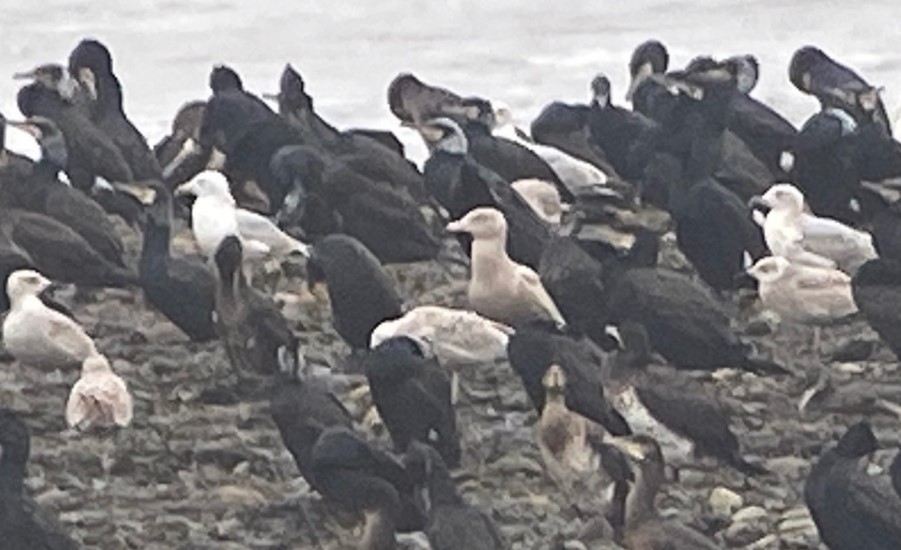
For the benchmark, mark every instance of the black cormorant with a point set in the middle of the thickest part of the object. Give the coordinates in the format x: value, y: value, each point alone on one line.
x: 23, y: 524
x: 303, y: 407
x: 853, y: 510
x: 92, y: 65
x: 412, y: 394
x: 459, y: 183
x: 44, y: 193
x: 325, y: 196
x: 534, y: 348
x: 667, y: 404
x: 361, y: 292
x: 877, y: 292
x: 355, y: 475
x: 453, y: 524
x: 182, y: 289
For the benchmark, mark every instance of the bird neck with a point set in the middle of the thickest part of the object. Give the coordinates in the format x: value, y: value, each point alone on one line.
x: 109, y: 94
x: 20, y: 301
x: 489, y: 258
x: 378, y: 530
x: 155, y: 250
x: 442, y: 490
x: 12, y: 467
x: 640, y: 500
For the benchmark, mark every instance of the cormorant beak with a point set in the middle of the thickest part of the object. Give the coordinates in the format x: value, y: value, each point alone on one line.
x: 644, y: 71
x: 188, y: 148
x: 86, y: 78
x: 271, y: 97
x: 319, y: 290
x: 759, y: 203
x: 431, y: 134
x: 32, y: 129
x: 613, y: 332
x: 627, y: 445
x: 144, y: 195
x: 217, y: 160
x: 408, y: 124
x: 27, y: 75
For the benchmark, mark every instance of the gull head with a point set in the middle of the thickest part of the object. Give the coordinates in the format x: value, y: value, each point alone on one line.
x: 481, y: 223
x: 24, y: 283
x: 209, y: 183
x: 782, y: 197
x: 769, y: 269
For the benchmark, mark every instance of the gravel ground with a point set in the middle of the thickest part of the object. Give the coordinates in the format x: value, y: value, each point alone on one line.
x: 202, y: 465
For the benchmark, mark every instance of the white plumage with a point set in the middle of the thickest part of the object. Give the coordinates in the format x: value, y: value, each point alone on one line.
x: 543, y: 198
x: 99, y: 398
x: 500, y: 288
x: 215, y: 216
x: 573, y: 172
x: 803, y: 238
x: 455, y: 336
x: 37, y: 335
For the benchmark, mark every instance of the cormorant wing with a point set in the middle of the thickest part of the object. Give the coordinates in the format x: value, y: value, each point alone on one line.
x: 874, y: 505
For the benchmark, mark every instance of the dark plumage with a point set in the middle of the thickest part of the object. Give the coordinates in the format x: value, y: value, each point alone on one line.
x: 813, y: 72
x: 182, y: 289
x: 179, y: 153
x: 459, y: 183
x: 649, y: 58
x: 303, y: 407
x: 675, y: 401
x: 249, y: 324
x: 355, y: 475
x: 325, y: 196
x: 92, y: 65
x: 452, y: 523
x: 412, y: 394
x: 565, y: 127
x: 643, y: 527
x: 616, y: 130
x: 877, y: 292
x: 825, y: 165
x: 532, y: 349
x: 715, y: 231
x: 851, y: 509
x: 361, y: 292
x: 23, y: 524
x: 361, y: 151
x: 90, y: 152
x: 58, y: 252
x: 43, y: 193
x: 685, y: 322
x: 575, y: 281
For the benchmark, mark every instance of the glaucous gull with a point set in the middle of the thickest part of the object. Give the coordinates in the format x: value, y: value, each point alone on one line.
x: 99, y: 398
x: 804, y: 294
x: 37, y: 335
x: 804, y: 238
x: 499, y: 288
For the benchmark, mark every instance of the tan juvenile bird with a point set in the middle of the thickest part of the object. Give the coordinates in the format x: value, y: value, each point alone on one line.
x: 567, y: 440
x: 804, y: 294
x: 500, y: 288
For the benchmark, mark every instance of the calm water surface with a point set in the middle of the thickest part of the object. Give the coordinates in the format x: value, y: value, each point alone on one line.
x: 525, y: 53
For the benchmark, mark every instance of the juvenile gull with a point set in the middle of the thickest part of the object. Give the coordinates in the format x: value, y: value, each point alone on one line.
x: 37, y: 335
x: 500, y: 288
x: 804, y: 294
x: 216, y: 215
x: 804, y: 238
x: 99, y: 398
x: 455, y: 336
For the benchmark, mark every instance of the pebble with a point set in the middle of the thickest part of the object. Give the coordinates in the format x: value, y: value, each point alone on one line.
x: 724, y: 501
